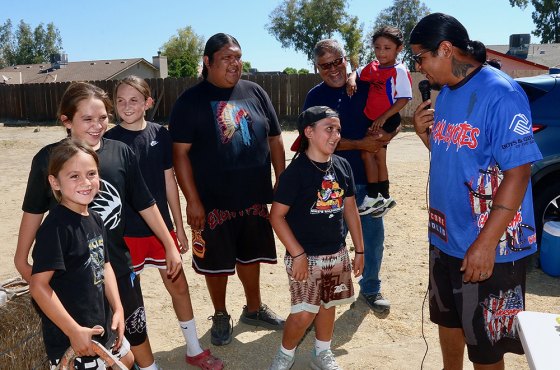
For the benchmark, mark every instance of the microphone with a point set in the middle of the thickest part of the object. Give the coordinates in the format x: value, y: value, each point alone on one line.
x: 425, y: 90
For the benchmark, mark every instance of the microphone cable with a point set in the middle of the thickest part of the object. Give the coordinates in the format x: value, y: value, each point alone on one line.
x: 427, y: 200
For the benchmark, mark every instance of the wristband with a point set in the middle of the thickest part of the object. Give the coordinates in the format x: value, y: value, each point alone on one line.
x: 299, y: 255
x: 356, y: 252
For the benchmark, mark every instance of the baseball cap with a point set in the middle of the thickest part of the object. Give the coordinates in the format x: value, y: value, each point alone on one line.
x: 308, y: 117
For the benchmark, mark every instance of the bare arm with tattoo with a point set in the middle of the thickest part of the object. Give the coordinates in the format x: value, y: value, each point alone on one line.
x: 481, y: 255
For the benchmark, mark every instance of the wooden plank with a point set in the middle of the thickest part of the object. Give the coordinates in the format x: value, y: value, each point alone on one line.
x: 50, y: 103
x: 294, y: 95
x: 275, y: 92
x: 173, y: 88
x: 281, y: 109
x: 34, y: 102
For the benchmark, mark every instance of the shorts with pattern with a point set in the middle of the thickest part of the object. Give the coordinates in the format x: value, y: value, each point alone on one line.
x: 329, y: 282
x: 484, y: 310
x: 232, y: 237
x: 148, y: 251
x: 95, y: 363
x: 133, y: 306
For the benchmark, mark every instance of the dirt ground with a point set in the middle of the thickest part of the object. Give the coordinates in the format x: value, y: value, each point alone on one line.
x: 362, y: 339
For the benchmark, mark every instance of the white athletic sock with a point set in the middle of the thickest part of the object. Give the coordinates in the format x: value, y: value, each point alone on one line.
x: 151, y: 367
x: 289, y: 352
x: 321, y: 346
x: 191, y: 337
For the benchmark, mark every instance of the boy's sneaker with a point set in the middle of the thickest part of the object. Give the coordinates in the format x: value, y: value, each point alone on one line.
x: 282, y: 361
x: 377, y: 303
x: 380, y: 212
x: 324, y: 361
x: 220, y: 333
x: 205, y: 360
x: 390, y: 202
x: 370, y: 205
x: 264, y: 317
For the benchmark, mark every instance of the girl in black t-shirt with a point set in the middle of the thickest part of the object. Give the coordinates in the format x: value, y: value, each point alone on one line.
x: 72, y: 280
x: 313, y: 200
x: 152, y: 145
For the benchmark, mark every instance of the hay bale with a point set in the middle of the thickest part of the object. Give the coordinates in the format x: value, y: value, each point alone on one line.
x: 21, y: 339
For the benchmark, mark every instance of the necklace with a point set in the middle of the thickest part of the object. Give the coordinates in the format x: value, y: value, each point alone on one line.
x: 329, y: 166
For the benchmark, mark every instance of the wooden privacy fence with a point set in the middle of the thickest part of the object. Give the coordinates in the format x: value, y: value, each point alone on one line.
x: 39, y: 102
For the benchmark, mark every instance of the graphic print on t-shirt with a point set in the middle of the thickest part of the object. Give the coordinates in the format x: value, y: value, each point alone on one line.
x: 329, y: 197
x: 97, y: 258
x: 232, y: 119
x: 108, y: 204
x: 518, y: 236
x: 460, y: 135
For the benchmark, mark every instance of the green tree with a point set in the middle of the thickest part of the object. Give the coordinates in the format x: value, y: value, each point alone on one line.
x: 546, y: 18
x: 27, y: 46
x: 246, y: 66
x: 7, y: 47
x: 300, y: 24
x: 184, y: 52
x: 403, y: 14
x: 47, y: 42
x: 303, y: 71
x: 290, y: 71
x: 351, y: 33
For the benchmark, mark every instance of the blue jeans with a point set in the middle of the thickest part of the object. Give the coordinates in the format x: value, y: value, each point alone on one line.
x: 374, y: 235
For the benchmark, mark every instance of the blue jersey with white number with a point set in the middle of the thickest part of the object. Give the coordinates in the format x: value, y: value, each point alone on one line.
x: 482, y: 127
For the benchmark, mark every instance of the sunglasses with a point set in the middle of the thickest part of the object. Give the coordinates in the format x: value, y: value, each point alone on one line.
x: 417, y: 58
x: 329, y: 65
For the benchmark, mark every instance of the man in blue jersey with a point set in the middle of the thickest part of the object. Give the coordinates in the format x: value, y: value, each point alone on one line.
x: 481, y: 223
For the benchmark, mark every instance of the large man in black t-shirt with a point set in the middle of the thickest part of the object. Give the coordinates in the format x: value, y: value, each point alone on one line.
x: 225, y: 137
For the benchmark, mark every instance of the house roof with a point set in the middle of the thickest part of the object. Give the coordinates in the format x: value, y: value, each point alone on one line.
x: 514, y: 58
x: 94, y: 70
x: 545, y: 54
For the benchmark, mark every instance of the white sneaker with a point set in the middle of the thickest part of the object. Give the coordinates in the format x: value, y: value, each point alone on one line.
x: 324, y: 361
x: 371, y: 204
x: 282, y: 361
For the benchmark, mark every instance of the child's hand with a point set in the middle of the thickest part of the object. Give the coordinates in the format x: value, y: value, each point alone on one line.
x: 182, y: 239
x: 173, y: 262
x: 351, y: 86
x: 80, y: 340
x: 299, y: 268
x: 358, y: 264
x: 377, y: 124
x: 117, y: 325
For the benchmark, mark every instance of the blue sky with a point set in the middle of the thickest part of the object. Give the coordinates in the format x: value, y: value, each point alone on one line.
x: 104, y: 29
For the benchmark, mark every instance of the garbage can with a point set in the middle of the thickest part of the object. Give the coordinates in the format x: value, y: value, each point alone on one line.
x: 550, y: 248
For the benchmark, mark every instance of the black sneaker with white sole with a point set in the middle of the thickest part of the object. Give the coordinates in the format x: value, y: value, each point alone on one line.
x: 264, y: 317
x: 220, y: 333
x: 377, y: 302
